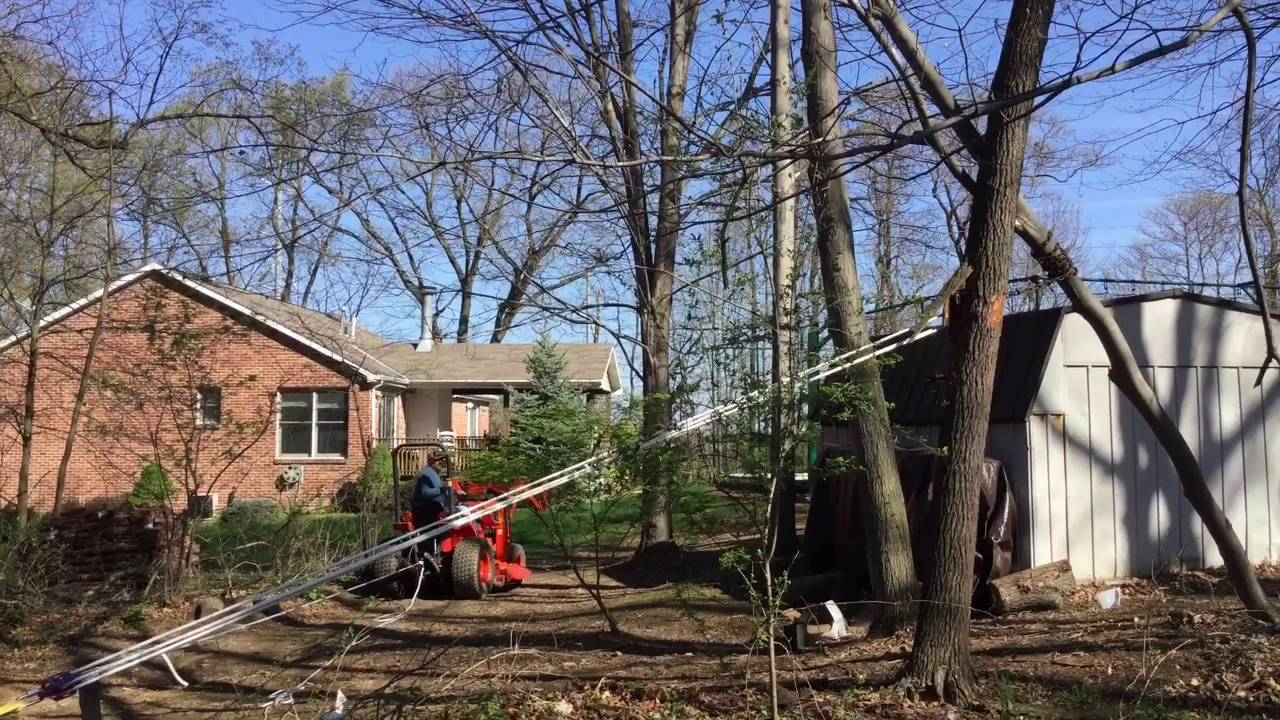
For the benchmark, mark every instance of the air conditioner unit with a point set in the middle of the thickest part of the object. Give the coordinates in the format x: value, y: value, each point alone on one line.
x: 202, y: 507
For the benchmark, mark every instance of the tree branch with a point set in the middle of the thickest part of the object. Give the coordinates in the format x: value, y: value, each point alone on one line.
x: 1242, y: 187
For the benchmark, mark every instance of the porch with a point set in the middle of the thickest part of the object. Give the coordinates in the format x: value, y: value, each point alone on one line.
x: 462, y: 450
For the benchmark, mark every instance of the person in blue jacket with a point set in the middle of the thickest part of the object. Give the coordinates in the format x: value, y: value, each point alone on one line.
x: 431, y: 494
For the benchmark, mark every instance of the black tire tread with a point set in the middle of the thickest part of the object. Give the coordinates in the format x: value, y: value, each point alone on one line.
x: 392, y: 584
x: 467, y: 583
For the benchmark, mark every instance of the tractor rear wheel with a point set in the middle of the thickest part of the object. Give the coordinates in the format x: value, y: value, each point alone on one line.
x: 473, y: 568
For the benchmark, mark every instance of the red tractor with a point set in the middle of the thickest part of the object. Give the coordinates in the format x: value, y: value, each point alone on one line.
x: 471, y: 560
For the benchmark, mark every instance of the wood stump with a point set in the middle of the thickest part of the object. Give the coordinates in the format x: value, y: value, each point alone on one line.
x: 1040, y: 588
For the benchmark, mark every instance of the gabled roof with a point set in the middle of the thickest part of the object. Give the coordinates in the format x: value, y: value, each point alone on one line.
x: 496, y: 366
x: 1189, y: 296
x: 916, y: 385
x: 373, y: 357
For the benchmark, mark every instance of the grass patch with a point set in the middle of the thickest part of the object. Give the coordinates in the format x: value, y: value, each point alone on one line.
x: 614, y: 524
x: 247, y: 551
x: 237, y: 553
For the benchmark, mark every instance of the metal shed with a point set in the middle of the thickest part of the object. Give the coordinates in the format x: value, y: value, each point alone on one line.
x: 1092, y: 484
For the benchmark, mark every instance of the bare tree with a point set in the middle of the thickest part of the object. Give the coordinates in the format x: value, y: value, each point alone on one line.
x: 926, y: 80
x: 888, y: 543
x: 940, y: 654
x: 1190, y: 238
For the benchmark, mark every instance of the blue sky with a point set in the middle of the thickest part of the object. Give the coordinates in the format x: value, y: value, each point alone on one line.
x: 1111, y: 199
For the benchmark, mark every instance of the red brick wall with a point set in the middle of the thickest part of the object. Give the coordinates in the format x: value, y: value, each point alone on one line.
x: 461, y: 427
x: 161, y: 342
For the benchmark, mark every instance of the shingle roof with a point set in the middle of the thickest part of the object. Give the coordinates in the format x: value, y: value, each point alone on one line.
x: 462, y: 365
x: 320, y: 328
x: 490, y: 365
x: 916, y: 385
x: 465, y: 366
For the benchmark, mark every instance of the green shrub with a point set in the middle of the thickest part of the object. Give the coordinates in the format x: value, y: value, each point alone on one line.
x: 251, y: 512
x: 153, y: 488
x: 30, y: 564
x: 375, y: 484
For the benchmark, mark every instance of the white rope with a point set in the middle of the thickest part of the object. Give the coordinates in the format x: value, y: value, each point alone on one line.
x: 225, y: 620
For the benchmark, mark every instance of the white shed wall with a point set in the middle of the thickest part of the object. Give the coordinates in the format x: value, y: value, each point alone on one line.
x: 1101, y: 491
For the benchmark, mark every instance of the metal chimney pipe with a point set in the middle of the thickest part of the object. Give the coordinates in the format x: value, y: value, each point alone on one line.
x: 427, y: 301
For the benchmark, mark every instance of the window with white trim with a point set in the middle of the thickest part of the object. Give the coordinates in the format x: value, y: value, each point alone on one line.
x: 313, y: 424
x: 208, y: 406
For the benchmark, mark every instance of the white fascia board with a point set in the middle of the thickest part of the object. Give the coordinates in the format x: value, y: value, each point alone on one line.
x: 120, y: 283
x: 237, y: 307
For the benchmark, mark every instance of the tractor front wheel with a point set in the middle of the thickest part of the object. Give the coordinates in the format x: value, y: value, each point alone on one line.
x: 473, y: 569
x: 391, y: 580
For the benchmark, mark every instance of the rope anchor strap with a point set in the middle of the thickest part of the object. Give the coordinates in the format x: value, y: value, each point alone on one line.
x: 226, y: 620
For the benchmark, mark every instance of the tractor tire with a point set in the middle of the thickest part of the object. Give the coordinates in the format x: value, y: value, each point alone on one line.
x: 473, y: 569
x: 391, y: 571
x: 515, y: 556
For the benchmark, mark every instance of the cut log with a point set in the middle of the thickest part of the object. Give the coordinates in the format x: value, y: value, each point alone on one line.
x: 1044, y: 587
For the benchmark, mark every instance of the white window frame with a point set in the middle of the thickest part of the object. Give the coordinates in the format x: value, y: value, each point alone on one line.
x: 473, y: 419
x: 315, y: 426
x: 200, y: 421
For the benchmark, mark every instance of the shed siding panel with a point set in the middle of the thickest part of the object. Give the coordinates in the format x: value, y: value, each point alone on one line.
x: 1149, y: 519
x: 1079, y: 505
x: 1040, y: 533
x: 1169, y: 489
x: 1252, y: 433
x: 1122, y: 511
x: 1186, y: 399
x: 1101, y: 473
x: 1130, y: 520
x: 1211, y: 451
x: 1057, y: 452
x: 1271, y: 433
x: 1234, y: 474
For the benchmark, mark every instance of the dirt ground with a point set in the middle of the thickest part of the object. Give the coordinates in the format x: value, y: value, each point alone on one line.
x: 1172, y: 650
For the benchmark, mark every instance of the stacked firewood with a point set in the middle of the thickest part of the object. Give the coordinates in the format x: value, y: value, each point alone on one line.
x: 113, y: 545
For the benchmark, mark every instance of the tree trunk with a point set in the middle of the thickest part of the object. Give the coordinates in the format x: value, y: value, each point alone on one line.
x: 940, y: 654
x: 27, y: 428
x: 1039, y: 588
x: 86, y: 371
x: 1125, y: 371
x: 657, y: 293
x: 782, y: 526
x: 884, y: 203
x: 655, y: 497
x: 888, y: 542
x: 28, y: 422
x: 224, y: 223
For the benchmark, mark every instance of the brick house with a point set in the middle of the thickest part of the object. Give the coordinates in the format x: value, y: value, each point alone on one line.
x: 227, y: 389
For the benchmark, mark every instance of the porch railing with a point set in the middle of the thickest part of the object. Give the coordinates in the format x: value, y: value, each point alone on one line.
x: 464, y: 449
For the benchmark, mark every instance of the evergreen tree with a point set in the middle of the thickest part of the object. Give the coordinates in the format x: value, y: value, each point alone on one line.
x: 551, y: 424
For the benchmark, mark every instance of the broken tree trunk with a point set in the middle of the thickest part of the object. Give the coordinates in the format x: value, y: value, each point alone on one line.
x: 1125, y: 372
x: 1041, y: 588
x: 940, y: 658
